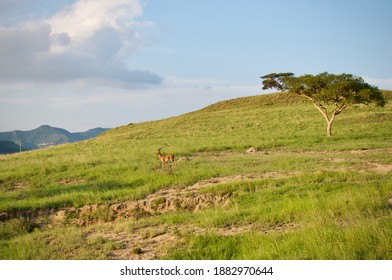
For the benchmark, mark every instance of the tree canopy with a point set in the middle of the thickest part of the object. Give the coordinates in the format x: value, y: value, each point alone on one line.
x: 325, y: 90
x: 276, y: 80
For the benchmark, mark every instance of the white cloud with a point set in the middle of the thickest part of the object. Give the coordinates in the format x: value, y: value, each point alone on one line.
x: 89, y: 40
x: 85, y: 18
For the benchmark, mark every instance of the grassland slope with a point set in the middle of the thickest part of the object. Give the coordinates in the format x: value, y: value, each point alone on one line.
x: 301, y: 196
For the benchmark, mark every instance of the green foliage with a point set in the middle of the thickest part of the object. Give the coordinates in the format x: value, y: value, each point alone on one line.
x: 276, y: 80
x: 331, y: 89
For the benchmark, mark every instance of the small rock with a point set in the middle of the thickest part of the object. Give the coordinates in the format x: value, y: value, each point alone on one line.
x: 251, y: 150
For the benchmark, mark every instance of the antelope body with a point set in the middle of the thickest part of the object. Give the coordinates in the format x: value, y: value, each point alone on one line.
x: 165, y: 158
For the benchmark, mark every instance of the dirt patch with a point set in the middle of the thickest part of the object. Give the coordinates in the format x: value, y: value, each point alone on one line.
x: 70, y: 181
x: 334, y: 160
x: 381, y: 168
x: 163, y: 201
x: 19, y: 185
x: 368, y: 151
x: 143, y: 244
x: 156, y: 241
x: 154, y: 204
x: 239, y: 178
x: 360, y: 165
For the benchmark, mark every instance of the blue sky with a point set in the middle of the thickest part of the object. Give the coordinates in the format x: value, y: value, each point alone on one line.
x: 79, y: 64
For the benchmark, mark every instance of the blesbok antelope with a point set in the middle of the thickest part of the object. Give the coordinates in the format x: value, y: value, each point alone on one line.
x: 165, y: 158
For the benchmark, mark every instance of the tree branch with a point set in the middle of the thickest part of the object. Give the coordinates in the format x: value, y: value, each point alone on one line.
x: 339, y: 109
x: 322, y: 109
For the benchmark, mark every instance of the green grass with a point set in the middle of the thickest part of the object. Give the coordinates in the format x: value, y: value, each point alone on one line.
x: 326, y: 242
x: 314, y: 197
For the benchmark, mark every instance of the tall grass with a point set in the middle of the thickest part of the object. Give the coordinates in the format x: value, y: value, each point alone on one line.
x: 324, y: 242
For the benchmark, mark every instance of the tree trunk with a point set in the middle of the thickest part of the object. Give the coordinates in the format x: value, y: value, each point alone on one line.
x: 329, y: 121
x: 337, y: 111
x: 329, y: 128
x: 323, y: 110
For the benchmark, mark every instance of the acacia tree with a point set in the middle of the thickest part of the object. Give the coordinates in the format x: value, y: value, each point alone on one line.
x: 327, y: 92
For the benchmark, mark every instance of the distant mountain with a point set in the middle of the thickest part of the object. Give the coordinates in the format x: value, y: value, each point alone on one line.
x: 45, y: 136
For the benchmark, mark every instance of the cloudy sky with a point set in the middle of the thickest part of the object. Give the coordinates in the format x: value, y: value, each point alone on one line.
x: 79, y: 64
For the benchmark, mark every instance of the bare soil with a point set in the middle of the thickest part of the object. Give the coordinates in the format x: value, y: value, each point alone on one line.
x: 154, y: 242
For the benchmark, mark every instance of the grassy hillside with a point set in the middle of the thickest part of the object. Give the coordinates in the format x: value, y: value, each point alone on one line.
x: 301, y: 196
